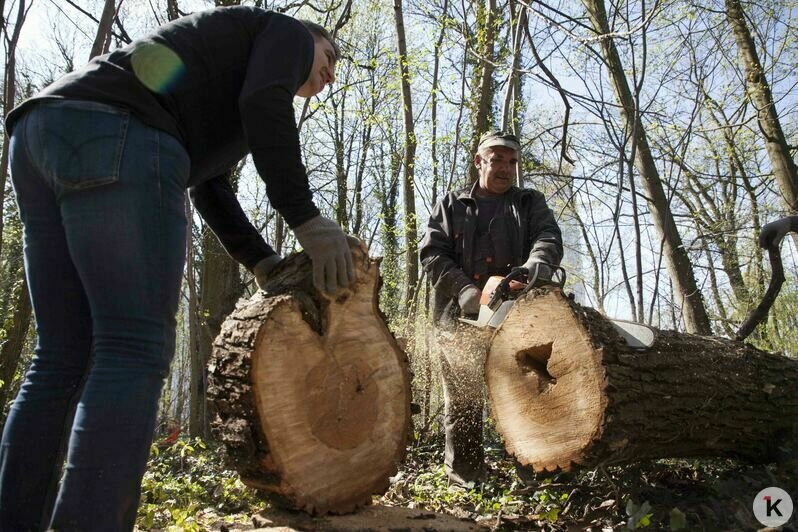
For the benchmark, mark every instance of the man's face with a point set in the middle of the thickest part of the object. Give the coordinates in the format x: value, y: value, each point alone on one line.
x: 322, y: 73
x: 497, y: 169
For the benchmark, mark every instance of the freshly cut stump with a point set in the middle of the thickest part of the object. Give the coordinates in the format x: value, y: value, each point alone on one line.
x: 566, y: 390
x: 312, y: 396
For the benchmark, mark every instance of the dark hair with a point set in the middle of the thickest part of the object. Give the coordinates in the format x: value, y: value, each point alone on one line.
x: 320, y: 32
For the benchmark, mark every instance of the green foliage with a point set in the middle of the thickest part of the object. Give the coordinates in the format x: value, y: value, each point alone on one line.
x: 639, y: 516
x: 781, y: 328
x: 186, y: 485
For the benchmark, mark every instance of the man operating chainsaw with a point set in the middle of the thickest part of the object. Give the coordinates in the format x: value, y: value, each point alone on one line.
x: 492, y: 228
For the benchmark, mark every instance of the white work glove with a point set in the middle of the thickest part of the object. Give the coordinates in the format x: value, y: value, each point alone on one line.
x: 469, y: 300
x: 264, y: 267
x: 774, y: 232
x: 544, y: 271
x: 328, y: 249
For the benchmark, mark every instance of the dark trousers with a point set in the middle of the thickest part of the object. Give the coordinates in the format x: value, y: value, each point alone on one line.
x: 462, y: 358
x: 101, y: 198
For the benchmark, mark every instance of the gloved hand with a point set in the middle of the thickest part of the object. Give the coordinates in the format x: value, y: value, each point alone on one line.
x: 469, y: 300
x: 774, y: 232
x: 264, y: 267
x: 328, y: 248
x: 544, y: 271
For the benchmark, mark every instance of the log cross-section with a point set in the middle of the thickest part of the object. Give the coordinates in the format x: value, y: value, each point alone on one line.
x: 312, y: 395
x: 567, y: 390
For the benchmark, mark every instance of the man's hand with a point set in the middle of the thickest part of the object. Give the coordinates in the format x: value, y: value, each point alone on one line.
x: 773, y: 233
x: 328, y: 248
x: 469, y: 300
x: 265, y: 267
x: 543, y: 270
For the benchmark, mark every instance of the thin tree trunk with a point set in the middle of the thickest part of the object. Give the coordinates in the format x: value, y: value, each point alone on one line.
x: 512, y: 98
x: 758, y: 89
x: 341, y: 212
x: 511, y: 115
x: 196, y: 370
x: 409, y: 194
x: 9, y: 98
x: 434, y: 103
x: 486, y: 17
x: 678, y: 261
x: 365, y: 143
x: 11, y: 350
x: 279, y: 234
x: 172, y: 11
x: 220, y: 288
x: 104, y: 28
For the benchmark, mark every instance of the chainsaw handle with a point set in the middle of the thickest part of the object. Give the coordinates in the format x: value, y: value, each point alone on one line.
x: 761, y: 311
x: 503, y: 288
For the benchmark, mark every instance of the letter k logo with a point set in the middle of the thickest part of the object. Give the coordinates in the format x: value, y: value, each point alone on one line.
x: 772, y: 506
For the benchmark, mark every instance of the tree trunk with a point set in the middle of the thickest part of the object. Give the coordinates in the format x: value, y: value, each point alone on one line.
x: 9, y: 98
x: 172, y: 11
x: 679, y: 265
x: 312, y: 396
x: 103, y: 29
x: 341, y: 174
x: 512, y: 97
x: 220, y: 288
x: 434, y: 103
x: 586, y: 398
x: 483, y: 97
x: 11, y: 350
x: 781, y: 161
x: 196, y: 382
x: 409, y: 193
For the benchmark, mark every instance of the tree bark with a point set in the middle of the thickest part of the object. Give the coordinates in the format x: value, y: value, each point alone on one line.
x: 312, y: 395
x: 103, y: 29
x: 408, y: 190
x: 587, y: 398
x: 483, y: 98
x: 220, y: 288
x: 11, y: 350
x: 434, y: 103
x: 781, y: 161
x: 9, y: 98
x: 680, y: 267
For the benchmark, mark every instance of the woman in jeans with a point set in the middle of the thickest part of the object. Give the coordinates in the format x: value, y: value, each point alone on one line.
x: 100, y: 163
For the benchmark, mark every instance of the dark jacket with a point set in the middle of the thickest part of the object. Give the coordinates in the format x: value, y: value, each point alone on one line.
x: 447, y: 251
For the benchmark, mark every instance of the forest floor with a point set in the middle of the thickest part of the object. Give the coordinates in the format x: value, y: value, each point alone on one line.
x: 187, y: 488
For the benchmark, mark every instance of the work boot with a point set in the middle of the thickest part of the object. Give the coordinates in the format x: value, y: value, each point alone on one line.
x: 467, y: 479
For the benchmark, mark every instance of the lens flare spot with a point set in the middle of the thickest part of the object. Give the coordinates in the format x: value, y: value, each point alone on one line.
x: 156, y: 66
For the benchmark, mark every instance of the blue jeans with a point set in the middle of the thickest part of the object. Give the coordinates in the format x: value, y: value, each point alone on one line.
x: 101, y: 197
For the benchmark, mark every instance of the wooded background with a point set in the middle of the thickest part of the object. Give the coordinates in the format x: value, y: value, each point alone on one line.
x: 663, y: 133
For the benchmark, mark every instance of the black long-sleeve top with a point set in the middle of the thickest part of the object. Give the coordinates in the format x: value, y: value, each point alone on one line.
x: 222, y: 81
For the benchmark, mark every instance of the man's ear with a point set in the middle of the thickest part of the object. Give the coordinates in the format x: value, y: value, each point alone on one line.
x: 477, y: 160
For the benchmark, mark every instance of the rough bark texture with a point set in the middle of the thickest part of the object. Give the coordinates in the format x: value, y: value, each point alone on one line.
x: 409, y: 188
x: 312, y: 395
x: 566, y: 390
x: 784, y: 168
x: 9, y: 98
x: 483, y: 79
x: 103, y: 29
x: 679, y: 266
x: 11, y: 350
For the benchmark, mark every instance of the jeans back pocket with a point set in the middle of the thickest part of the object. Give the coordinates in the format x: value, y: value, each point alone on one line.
x: 78, y: 145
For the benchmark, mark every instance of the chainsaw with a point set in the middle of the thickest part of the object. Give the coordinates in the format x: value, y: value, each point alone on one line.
x: 501, y: 293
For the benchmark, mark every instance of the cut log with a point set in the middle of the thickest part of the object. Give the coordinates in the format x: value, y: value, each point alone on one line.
x: 567, y: 390
x: 312, y: 396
